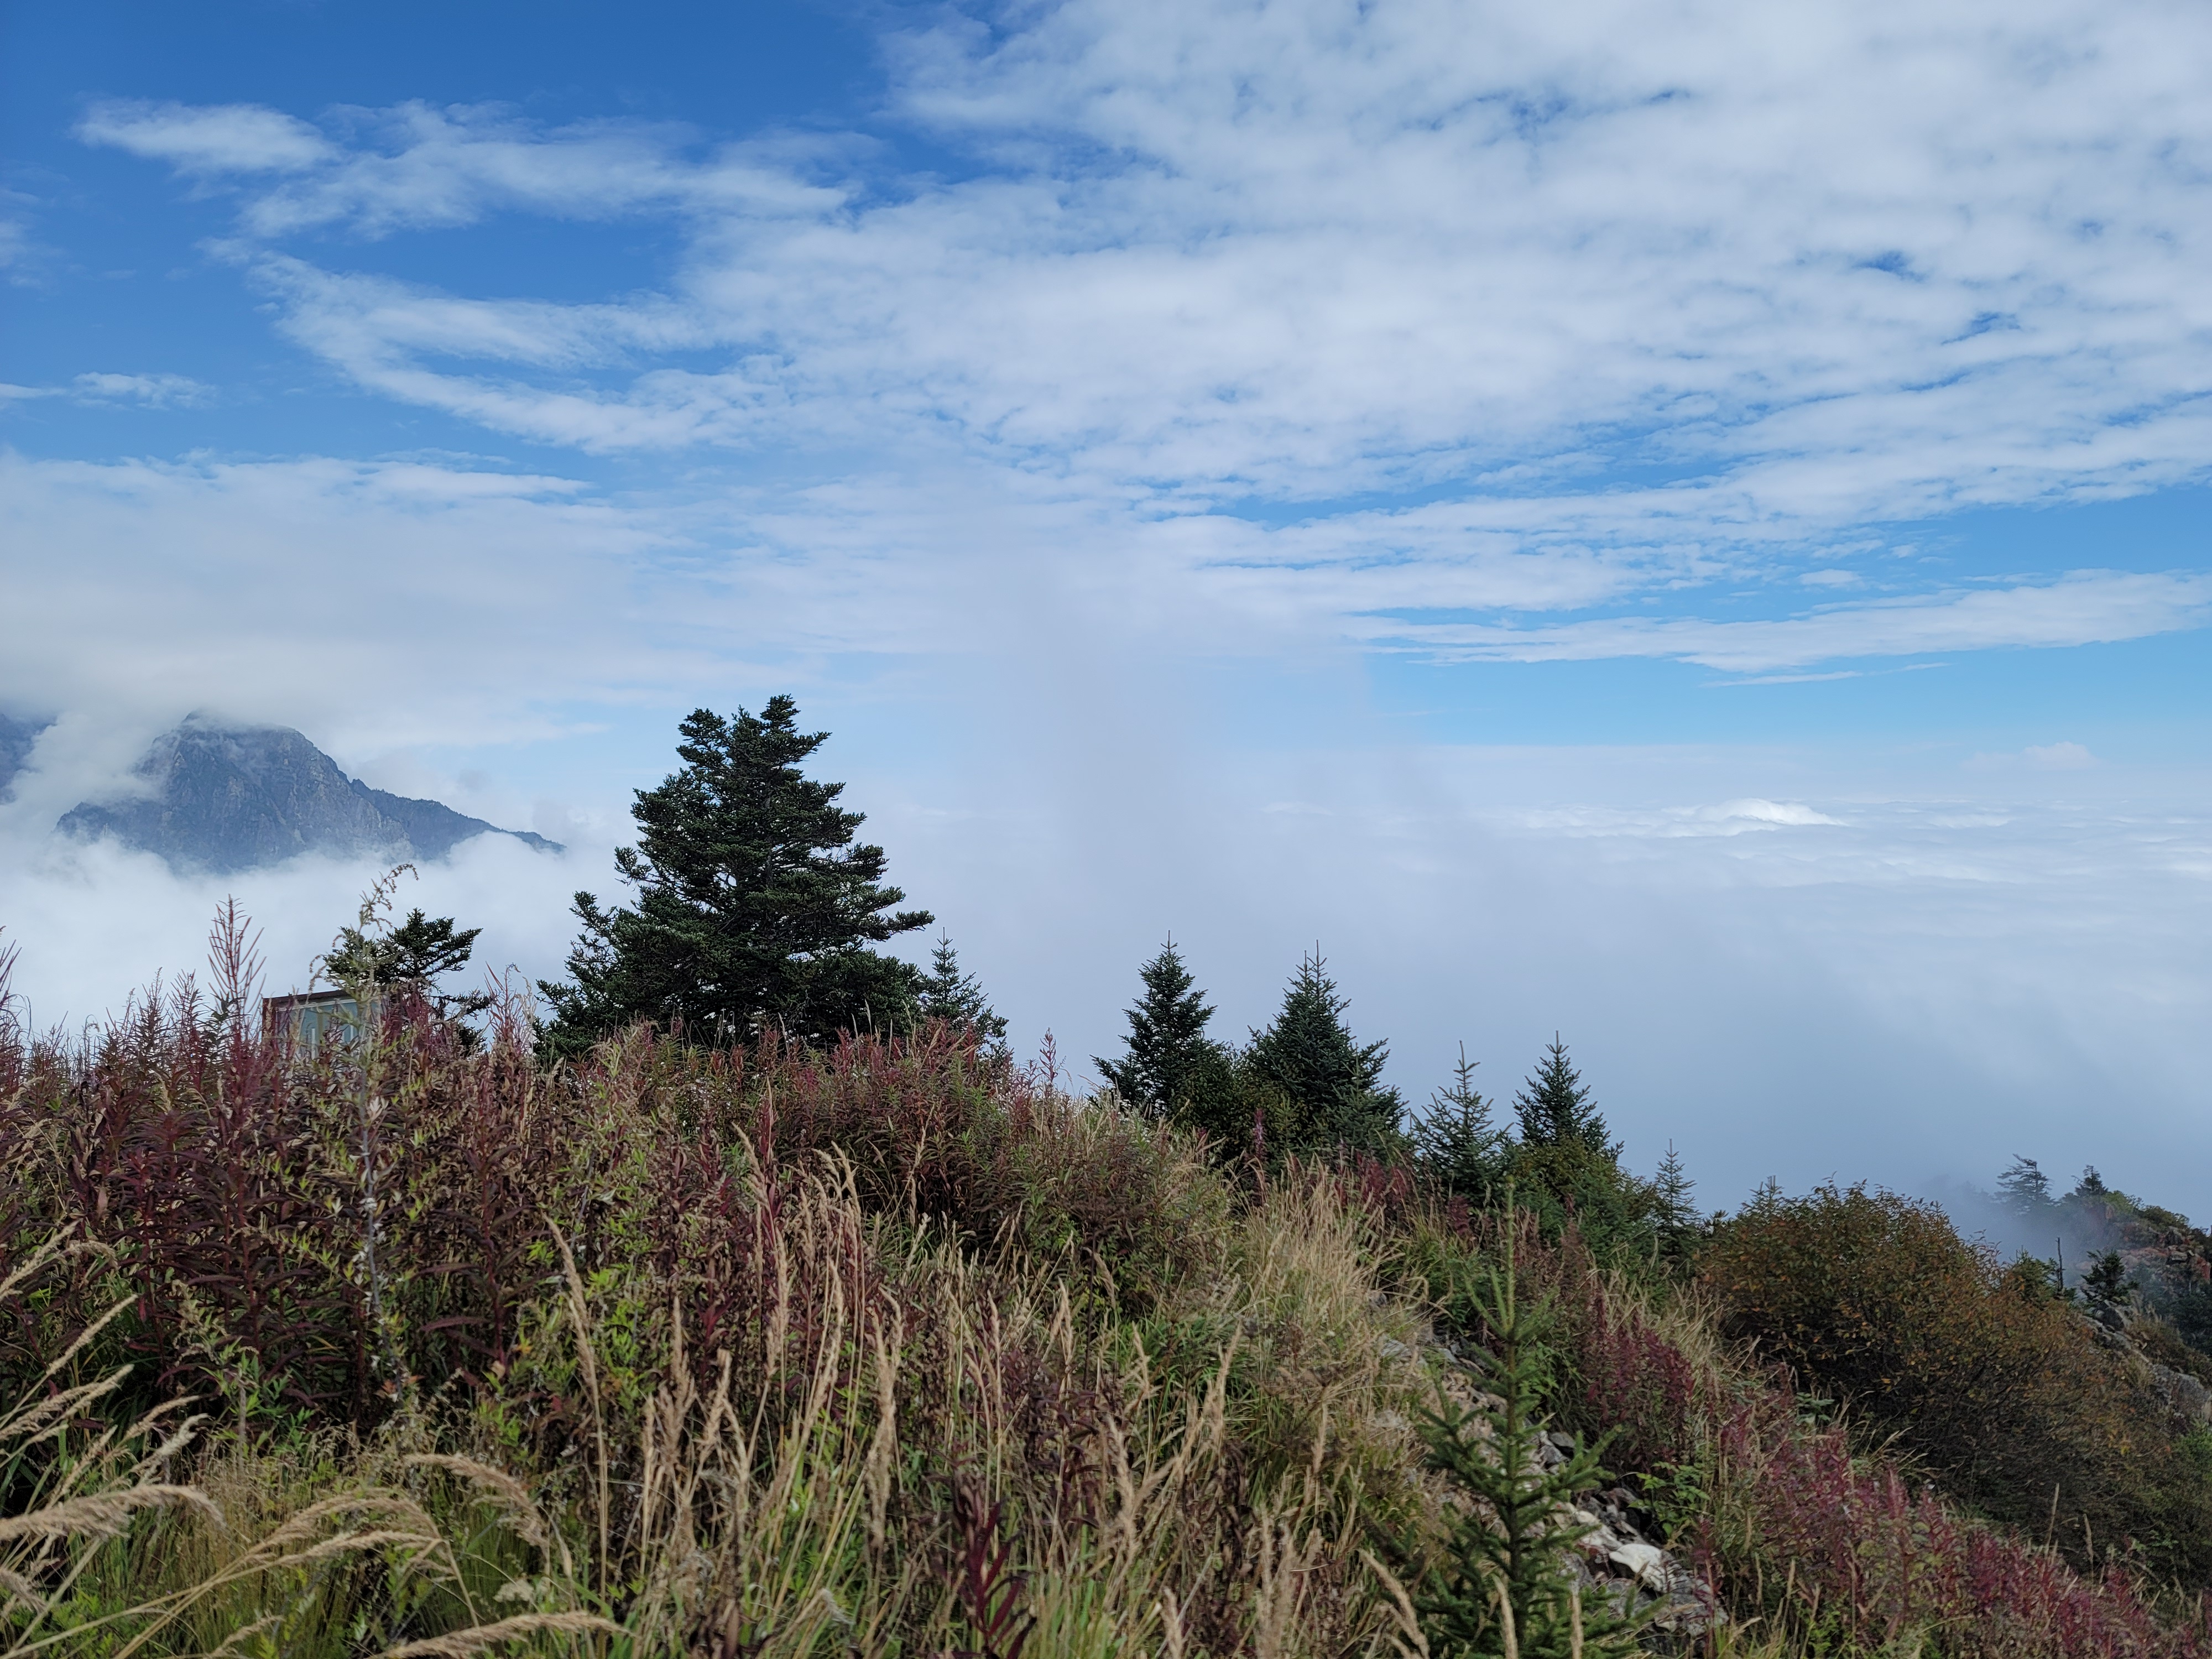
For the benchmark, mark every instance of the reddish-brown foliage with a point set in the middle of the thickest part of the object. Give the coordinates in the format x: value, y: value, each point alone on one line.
x: 1845, y: 1551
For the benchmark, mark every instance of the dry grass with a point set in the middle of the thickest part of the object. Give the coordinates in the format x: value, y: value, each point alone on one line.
x: 810, y: 1504
x: 757, y: 1354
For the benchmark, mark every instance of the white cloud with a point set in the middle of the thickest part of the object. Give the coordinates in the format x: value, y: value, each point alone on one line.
x: 1864, y: 260
x: 211, y: 139
x: 154, y: 391
x: 2084, y: 608
x: 390, y: 600
x: 148, y: 390
x: 2059, y: 756
x: 1733, y: 817
x: 20, y: 254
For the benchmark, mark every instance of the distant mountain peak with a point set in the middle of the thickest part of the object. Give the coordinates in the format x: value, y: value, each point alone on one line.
x: 223, y: 799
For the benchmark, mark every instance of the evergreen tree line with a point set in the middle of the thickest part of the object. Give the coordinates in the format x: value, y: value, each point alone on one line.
x: 755, y: 907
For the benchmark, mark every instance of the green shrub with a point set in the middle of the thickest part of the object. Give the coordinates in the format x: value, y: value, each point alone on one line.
x: 1999, y: 1390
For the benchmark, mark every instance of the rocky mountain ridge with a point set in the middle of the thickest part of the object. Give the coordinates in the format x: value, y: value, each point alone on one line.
x: 222, y: 800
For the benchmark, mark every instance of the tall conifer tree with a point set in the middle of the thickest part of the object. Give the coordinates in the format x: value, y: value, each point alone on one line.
x: 1167, y: 1047
x: 1310, y: 1056
x: 756, y: 906
x: 2025, y: 1189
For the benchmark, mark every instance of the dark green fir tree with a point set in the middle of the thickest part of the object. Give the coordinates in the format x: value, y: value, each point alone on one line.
x: 1333, y: 1081
x: 957, y: 999
x: 756, y: 909
x: 1167, y: 1048
x: 1458, y: 1145
x: 2025, y: 1189
x: 1506, y: 1584
x: 414, y: 956
x: 1674, y: 1216
x: 1555, y: 1108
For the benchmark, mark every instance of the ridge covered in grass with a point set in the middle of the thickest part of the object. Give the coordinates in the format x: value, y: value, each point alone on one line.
x: 891, y: 1348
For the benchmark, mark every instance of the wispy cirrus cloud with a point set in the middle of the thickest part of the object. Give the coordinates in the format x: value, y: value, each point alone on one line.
x: 413, y: 167
x: 1235, y: 274
x: 2087, y: 607
x: 145, y: 391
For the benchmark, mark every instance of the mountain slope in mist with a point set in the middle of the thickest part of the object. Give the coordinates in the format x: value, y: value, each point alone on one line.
x: 16, y: 738
x: 224, y: 800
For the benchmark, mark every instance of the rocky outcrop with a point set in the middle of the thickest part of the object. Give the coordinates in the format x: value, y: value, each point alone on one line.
x: 223, y: 800
x: 2114, y: 1330
x: 1619, y: 1557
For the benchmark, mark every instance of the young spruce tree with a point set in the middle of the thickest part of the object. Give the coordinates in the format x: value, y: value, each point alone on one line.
x: 1555, y: 1108
x: 1167, y: 1046
x: 1674, y: 1216
x: 1310, y: 1055
x: 1506, y: 1584
x: 755, y: 907
x: 957, y: 999
x: 1458, y: 1145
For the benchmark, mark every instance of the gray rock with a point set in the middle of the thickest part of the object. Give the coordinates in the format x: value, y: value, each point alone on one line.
x: 2183, y: 1393
x: 1645, y: 1563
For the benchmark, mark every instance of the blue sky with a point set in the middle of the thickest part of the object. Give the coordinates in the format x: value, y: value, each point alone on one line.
x: 1688, y: 528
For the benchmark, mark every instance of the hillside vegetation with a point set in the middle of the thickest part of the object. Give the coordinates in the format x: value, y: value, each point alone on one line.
x: 755, y: 1303
x: 427, y: 1344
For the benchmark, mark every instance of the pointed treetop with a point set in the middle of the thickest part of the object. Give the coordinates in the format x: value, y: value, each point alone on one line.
x: 1456, y: 1142
x: 1678, y: 1217
x: 1311, y: 1055
x: 1555, y: 1108
x: 957, y: 998
x: 1167, y: 1040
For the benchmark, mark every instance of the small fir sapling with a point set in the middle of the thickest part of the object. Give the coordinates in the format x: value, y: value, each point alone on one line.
x: 1458, y: 1145
x: 1506, y: 1584
x: 2106, y: 1281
